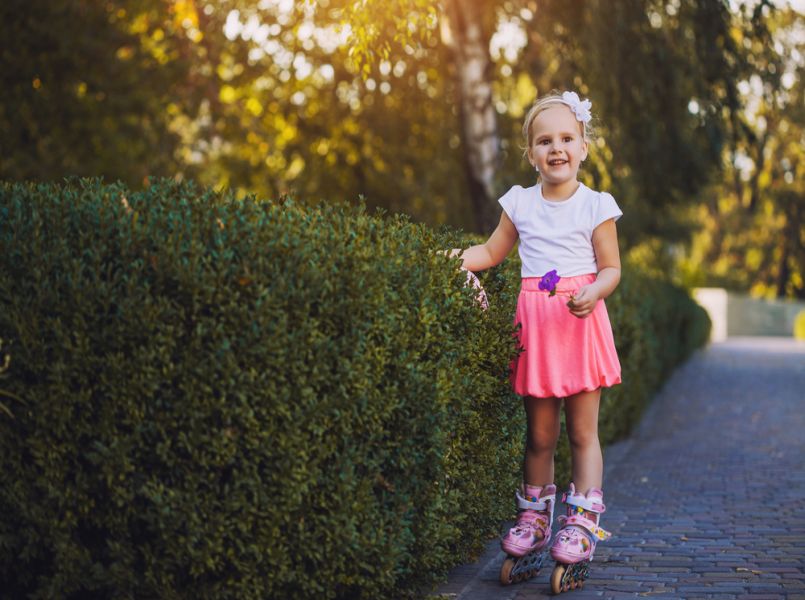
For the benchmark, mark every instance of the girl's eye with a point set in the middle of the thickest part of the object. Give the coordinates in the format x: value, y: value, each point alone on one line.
x: 568, y: 139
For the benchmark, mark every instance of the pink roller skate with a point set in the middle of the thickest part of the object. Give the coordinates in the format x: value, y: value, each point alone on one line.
x: 574, y: 545
x: 526, y: 541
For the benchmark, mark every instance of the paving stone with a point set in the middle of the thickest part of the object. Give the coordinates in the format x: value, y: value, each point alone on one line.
x: 707, y: 498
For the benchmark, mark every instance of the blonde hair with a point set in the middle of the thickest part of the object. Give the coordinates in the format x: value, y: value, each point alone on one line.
x: 545, y: 102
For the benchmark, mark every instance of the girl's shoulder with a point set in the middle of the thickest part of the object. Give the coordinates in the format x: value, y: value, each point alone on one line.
x: 516, y: 197
x: 518, y: 191
x: 601, y: 206
x: 596, y: 198
x: 597, y: 194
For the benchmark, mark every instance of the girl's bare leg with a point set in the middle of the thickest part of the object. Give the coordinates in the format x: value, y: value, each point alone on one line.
x: 543, y: 433
x: 581, y: 416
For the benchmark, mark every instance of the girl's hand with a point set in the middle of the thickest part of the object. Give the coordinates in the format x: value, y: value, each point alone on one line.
x: 584, y: 301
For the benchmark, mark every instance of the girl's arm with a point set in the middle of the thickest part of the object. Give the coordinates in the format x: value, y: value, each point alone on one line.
x: 607, y: 257
x: 491, y: 253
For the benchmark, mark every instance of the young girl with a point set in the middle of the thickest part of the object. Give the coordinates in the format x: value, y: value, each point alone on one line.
x: 568, y: 349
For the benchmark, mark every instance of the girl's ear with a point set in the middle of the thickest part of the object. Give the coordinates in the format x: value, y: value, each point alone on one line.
x: 584, y: 149
x: 530, y: 156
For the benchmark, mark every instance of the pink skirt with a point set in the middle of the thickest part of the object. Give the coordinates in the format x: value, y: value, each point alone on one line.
x: 562, y: 354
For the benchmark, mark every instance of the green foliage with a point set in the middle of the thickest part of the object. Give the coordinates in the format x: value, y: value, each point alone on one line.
x: 657, y: 326
x: 5, y: 362
x: 752, y: 223
x: 226, y: 396
x: 644, y: 62
x: 167, y: 88
x: 232, y: 398
x: 100, y: 104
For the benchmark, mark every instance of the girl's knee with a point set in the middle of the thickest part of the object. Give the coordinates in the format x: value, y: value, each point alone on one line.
x: 582, y: 437
x: 543, y: 440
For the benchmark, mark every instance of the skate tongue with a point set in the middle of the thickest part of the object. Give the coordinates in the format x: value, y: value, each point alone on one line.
x: 595, y: 493
x: 533, y: 491
x: 540, y: 492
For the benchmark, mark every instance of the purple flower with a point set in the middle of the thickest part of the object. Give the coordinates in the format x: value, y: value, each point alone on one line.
x: 549, y: 281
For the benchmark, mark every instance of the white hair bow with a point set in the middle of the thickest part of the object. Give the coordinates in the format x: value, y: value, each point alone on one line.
x: 581, y: 108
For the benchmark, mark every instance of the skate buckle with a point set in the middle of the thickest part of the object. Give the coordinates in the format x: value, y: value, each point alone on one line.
x: 539, y: 504
x: 587, y: 524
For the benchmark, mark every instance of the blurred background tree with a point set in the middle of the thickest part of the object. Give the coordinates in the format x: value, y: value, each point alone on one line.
x: 752, y: 234
x: 417, y: 106
x: 87, y: 89
x: 662, y: 77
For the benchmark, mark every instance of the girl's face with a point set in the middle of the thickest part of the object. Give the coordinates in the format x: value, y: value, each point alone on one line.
x: 557, y: 146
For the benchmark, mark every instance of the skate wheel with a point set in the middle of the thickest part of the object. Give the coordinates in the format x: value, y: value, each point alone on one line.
x: 556, y: 579
x: 506, y: 571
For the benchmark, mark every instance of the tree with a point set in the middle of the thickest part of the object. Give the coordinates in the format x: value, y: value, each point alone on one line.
x: 87, y: 104
x: 410, y: 103
x: 661, y: 76
x: 469, y: 25
x: 753, y: 224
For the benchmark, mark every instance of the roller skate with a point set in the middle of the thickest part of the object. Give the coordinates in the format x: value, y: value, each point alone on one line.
x: 574, y: 545
x: 526, y: 542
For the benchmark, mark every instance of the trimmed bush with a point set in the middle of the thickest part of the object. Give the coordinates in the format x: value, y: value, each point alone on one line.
x: 5, y: 362
x: 225, y: 396
x: 233, y: 398
x: 657, y: 326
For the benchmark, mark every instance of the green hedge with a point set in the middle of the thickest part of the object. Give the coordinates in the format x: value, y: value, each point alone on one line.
x: 657, y: 326
x: 233, y: 398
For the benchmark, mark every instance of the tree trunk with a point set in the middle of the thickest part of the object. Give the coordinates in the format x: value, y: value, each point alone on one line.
x: 468, y: 38
x: 790, y: 241
x: 783, y: 270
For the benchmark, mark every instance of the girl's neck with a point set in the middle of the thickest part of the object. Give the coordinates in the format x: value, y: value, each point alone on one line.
x: 558, y: 192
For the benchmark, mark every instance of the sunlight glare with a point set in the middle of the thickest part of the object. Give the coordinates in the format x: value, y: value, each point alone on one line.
x: 508, y: 40
x: 232, y: 27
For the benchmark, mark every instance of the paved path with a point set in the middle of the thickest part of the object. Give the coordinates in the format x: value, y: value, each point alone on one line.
x: 707, y: 499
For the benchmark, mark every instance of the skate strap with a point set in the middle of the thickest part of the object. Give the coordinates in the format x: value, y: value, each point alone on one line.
x: 540, y: 504
x: 591, y: 505
x: 586, y: 524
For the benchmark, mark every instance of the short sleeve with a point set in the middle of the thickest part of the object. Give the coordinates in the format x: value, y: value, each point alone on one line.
x: 607, y: 209
x: 509, y: 202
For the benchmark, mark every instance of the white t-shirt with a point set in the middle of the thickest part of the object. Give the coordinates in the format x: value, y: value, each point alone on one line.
x: 558, y: 235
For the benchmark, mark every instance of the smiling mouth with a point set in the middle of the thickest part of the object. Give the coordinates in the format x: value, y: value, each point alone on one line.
x: 556, y: 161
